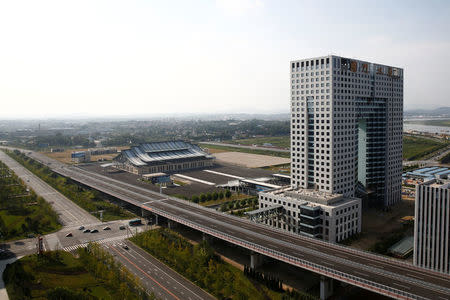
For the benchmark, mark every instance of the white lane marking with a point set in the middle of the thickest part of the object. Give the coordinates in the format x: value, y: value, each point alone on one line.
x: 360, y: 274
x: 403, y: 286
x: 410, y: 275
x: 157, y: 268
x: 195, y: 179
x: 224, y: 174
x: 273, y: 246
x: 375, y: 266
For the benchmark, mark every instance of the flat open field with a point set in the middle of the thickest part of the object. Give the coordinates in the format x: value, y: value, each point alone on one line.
x: 253, y: 150
x: 65, y: 156
x: 416, y: 148
x: 250, y: 160
x: 276, y: 141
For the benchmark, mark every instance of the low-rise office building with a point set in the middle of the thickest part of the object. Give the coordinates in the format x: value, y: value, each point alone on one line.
x: 331, y: 217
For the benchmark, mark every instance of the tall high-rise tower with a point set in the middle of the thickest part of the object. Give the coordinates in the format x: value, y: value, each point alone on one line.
x: 346, y: 128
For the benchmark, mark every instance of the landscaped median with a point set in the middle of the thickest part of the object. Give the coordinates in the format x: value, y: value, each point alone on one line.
x: 88, y: 199
x: 59, y: 275
x: 202, y: 266
x: 22, y: 212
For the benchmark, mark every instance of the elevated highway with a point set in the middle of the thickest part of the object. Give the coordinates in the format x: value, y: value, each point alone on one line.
x: 380, y: 274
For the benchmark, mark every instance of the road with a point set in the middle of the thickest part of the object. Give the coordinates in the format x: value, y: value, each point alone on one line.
x: 69, y: 213
x: 156, y: 277
x: 353, y: 264
x: 72, y: 216
x: 247, y: 147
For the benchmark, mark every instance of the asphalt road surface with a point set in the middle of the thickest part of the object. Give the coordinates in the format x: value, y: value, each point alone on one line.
x: 155, y: 276
x: 398, y: 275
x: 69, y: 213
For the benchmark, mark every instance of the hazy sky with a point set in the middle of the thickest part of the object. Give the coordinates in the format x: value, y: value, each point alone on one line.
x: 145, y: 57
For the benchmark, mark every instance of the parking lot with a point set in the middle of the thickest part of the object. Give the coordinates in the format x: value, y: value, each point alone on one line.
x: 187, y: 187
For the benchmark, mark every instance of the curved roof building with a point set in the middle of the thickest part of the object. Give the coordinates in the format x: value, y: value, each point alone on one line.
x: 163, y: 157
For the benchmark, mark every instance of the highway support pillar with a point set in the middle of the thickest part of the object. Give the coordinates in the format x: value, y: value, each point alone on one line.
x: 326, y: 287
x: 256, y: 260
x: 145, y: 213
x: 171, y: 224
x: 156, y: 220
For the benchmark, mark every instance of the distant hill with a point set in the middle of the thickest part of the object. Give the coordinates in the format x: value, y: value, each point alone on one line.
x: 438, y: 112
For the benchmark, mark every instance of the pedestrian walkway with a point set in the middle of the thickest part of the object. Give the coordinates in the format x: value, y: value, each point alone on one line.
x: 73, y: 248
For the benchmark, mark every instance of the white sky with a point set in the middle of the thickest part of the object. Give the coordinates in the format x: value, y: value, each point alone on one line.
x: 91, y: 58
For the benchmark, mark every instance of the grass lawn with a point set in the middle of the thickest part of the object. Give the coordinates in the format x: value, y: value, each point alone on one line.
x: 22, y: 212
x: 44, y: 273
x: 416, y: 148
x: 276, y: 141
x: 200, y: 264
x: 88, y: 199
x: 15, y: 223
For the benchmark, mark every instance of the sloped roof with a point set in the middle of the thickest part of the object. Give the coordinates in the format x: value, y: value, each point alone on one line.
x: 147, y: 153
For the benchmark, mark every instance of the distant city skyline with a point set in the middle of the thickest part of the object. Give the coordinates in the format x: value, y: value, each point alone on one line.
x: 104, y: 58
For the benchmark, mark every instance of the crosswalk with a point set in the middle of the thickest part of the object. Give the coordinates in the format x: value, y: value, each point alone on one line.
x: 73, y: 248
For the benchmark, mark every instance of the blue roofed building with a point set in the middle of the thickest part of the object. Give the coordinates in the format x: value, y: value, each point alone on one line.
x: 169, y: 157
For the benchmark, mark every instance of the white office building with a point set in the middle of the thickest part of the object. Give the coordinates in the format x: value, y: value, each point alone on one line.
x: 346, y: 143
x: 346, y: 128
x: 331, y: 217
x: 432, y: 225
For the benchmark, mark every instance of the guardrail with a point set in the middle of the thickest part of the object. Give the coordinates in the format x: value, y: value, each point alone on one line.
x: 357, y: 252
x: 346, y: 261
x: 265, y: 250
x: 367, y: 254
x: 358, y: 281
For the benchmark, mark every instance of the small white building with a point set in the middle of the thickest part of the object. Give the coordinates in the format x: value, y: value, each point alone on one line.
x: 331, y: 217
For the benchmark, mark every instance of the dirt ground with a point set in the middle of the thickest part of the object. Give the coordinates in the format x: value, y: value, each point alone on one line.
x: 377, y: 224
x: 65, y: 156
x: 250, y: 160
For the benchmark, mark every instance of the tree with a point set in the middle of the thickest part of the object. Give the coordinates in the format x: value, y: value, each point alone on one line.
x: 195, y: 199
x: 202, y: 197
x: 228, y: 194
x: 215, y: 196
x: 60, y: 293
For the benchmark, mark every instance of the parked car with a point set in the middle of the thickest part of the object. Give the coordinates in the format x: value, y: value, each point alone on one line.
x: 81, y: 228
x: 94, y: 231
x: 107, y: 228
x: 125, y: 247
x: 69, y: 234
x: 122, y: 227
x: 86, y: 231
